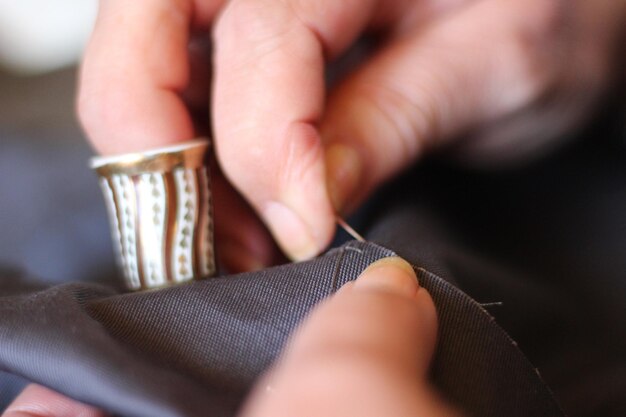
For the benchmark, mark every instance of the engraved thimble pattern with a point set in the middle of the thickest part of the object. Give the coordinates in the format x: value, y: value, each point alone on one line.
x: 161, y: 219
x: 162, y: 226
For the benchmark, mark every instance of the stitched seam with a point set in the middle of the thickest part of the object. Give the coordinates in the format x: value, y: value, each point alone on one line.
x: 334, y: 280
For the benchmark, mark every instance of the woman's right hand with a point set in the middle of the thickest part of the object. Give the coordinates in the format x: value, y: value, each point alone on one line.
x: 509, y: 77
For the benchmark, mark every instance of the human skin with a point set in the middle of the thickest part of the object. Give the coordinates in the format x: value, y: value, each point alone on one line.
x: 364, y: 351
x: 496, y: 80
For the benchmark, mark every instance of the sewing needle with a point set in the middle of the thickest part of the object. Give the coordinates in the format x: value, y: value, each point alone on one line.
x: 349, y: 230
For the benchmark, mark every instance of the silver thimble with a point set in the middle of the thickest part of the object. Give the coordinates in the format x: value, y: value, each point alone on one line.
x: 159, y: 205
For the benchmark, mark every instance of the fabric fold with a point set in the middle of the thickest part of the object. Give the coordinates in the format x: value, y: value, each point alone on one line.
x: 196, y: 349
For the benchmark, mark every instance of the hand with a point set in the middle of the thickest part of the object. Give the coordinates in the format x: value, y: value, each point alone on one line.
x: 507, y: 76
x: 365, y: 351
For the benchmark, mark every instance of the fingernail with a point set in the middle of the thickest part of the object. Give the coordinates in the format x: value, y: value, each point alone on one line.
x: 291, y: 232
x: 343, y: 173
x: 238, y: 258
x: 392, y: 274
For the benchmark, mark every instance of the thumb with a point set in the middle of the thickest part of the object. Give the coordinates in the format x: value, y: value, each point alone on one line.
x: 365, y: 351
x: 383, y: 317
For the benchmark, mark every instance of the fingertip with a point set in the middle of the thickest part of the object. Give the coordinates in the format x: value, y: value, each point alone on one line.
x: 242, y: 242
x: 298, y: 211
x: 391, y: 262
x: 296, y: 237
x: 392, y: 274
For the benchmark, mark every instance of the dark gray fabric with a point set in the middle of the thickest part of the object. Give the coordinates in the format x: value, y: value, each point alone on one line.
x: 195, y: 350
x: 10, y: 387
x: 542, y: 246
x: 545, y: 241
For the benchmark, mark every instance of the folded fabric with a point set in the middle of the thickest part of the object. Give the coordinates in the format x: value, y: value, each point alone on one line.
x: 196, y: 349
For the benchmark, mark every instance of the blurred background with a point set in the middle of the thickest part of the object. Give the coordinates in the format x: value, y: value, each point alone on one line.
x: 52, y: 218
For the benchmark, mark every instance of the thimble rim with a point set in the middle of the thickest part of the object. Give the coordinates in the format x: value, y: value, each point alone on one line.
x: 99, y: 161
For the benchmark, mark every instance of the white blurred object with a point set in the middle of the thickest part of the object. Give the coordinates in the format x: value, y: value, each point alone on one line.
x: 42, y: 35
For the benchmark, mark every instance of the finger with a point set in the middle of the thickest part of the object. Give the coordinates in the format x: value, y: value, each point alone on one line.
x: 37, y: 401
x: 384, y: 318
x: 135, y: 67
x: 243, y: 243
x: 363, y: 352
x: 476, y: 65
x: 268, y: 97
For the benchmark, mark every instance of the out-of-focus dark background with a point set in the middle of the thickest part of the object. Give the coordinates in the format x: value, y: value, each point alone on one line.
x: 52, y: 219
